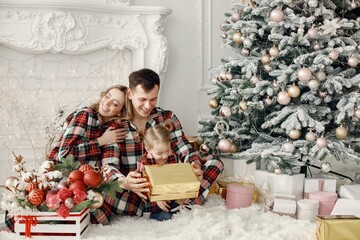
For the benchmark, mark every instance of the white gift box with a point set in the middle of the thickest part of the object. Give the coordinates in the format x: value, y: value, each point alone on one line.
x: 284, y: 205
x: 272, y: 183
x: 346, y: 207
x: 48, y: 225
x: 318, y: 185
x: 350, y: 191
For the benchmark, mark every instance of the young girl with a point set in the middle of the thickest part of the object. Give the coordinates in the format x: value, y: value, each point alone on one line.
x: 157, y: 141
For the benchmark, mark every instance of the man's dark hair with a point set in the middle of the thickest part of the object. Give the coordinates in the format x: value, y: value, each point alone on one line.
x: 147, y: 78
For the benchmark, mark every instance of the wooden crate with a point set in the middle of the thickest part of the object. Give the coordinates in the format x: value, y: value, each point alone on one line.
x: 48, y: 225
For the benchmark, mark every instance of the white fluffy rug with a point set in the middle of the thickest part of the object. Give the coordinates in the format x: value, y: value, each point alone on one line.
x: 204, y: 223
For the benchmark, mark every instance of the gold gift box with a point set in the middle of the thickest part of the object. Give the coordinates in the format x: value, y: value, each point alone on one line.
x: 337, y: 227
x: 171, y: 182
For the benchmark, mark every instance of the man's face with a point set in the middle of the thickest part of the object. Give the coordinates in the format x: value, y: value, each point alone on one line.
x: 143, y: 102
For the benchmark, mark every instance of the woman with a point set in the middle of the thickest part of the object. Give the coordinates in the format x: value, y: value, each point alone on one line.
x: 89, y: 129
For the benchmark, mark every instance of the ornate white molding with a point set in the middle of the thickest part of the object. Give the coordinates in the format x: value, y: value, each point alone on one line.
x: 77, y: 27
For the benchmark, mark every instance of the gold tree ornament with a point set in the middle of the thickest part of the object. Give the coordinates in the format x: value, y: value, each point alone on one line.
x: 233, y: 148
x: 294, y: 134
x: 341, y: 132
x: 274, y: 51
x: 213, y: 103
x: 294, y: 91
x: 265, y: 59
x: 237, y: 38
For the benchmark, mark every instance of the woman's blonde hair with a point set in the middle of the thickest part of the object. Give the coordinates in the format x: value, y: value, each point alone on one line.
x: 124, y: 110
x: 159, y: 133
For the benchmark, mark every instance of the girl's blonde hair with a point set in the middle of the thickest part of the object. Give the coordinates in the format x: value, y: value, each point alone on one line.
x: 124, y: 110
x: 159, y: 133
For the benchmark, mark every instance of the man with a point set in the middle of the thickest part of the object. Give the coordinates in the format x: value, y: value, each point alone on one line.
x: 122, y: 163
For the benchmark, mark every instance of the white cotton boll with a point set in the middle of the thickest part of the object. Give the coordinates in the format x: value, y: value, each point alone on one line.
x: 15, y: 205
x: 46, y: 164
x: 52, y: 184
x: 50, y: 175
x: 21, y: 186
x: 18, y: 167
x: 27, y: 176
x: 58, y: 174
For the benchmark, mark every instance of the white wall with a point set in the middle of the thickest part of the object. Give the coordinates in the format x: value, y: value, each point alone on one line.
x: 195, y: 45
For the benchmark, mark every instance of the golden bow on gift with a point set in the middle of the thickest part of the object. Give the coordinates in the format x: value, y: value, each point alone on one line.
x: 223, y: 182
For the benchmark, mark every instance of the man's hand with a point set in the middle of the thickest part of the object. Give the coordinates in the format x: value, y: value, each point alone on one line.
x: 197, y: 170
x: 163, y: 205
x: 135, y: 183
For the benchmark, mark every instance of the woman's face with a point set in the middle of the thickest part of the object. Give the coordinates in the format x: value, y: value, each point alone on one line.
x: 112, y: 103
x: 160, y: 152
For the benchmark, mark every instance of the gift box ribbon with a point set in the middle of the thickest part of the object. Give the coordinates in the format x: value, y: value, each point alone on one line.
x: 29, y: 221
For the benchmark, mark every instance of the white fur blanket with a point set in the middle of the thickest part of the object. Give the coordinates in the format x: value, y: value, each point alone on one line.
x: 204, y: 223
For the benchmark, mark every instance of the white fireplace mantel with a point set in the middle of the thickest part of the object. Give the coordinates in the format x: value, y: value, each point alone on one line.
x: 82, y: 26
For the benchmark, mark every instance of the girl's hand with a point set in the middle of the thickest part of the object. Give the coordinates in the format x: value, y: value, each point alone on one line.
x: 163, y: 205
x: 112, y: 135
x: 197, y: 170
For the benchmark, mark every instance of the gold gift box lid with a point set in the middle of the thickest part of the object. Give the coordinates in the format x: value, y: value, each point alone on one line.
x: 172, y: 181
x: 336, y: 227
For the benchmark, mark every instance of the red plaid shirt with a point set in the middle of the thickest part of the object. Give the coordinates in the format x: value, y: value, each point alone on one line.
x: 123, y: 157
x: 147, y: 160
x: 79, y: 137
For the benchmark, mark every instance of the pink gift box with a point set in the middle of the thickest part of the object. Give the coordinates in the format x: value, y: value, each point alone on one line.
x: 326, y: 200
x: 238, y: 196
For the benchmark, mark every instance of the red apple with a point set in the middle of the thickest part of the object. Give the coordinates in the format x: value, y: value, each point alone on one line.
x: 78, y: 185
x: 75, y: 175
x: 92, y: 178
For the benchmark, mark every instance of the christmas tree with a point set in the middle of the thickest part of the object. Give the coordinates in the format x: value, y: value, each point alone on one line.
x: 291, y: 95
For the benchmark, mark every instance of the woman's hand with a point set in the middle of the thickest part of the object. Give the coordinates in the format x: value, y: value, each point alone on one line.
x: 163, y: 205
x: 135, y: 183
x: 112, y: 135
x: 197, y: 170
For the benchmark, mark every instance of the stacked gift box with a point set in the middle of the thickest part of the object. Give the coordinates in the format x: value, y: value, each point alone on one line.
x: 324, y: 200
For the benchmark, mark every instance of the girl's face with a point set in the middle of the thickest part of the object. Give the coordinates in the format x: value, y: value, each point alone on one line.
x: 112, y: 103
x: 160, y: 152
